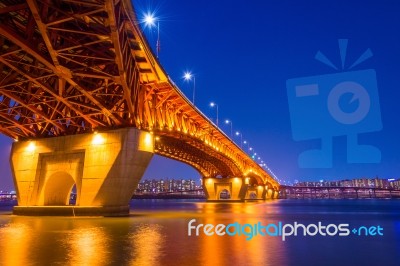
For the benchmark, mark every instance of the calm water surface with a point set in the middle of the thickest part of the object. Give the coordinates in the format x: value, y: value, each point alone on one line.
x: 156, y: 234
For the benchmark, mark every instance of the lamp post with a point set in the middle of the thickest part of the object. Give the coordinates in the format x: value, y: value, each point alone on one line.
x: 158, y: 44
x: 245, y: 142
x: 227, y: 121
x: 241, y: 138
x: 250, y: 150
x: 149, y: 20
x: 188, y: 77
x: 213, y: 104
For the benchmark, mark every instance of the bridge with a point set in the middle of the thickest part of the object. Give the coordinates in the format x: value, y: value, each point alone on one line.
x: 88, y: 105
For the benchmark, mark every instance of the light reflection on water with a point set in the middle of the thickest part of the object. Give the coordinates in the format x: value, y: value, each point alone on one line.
x: 156, y: 234
x: 14, y: 244
x: 87, y: 246
x: 147, y: 244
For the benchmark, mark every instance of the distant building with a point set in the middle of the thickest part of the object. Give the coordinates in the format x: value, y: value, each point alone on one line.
x: 166, y: 185
x: 394, y: 183
x: 346, y: 183
x: 358, y: 182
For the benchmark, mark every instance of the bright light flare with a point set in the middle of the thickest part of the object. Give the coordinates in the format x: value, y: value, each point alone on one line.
x: 149, y: 20
x: 188, y: 76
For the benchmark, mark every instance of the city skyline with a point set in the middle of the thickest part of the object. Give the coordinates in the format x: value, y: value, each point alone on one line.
x: 242, y: 54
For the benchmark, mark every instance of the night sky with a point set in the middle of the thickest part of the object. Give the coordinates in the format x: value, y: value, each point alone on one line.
x: 243, y: 52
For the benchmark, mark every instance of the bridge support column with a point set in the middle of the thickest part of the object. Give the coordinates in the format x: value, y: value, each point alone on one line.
x: 269, y: 194
x: 225, y: 189
x: 255, y: 193
x: 104, y: 167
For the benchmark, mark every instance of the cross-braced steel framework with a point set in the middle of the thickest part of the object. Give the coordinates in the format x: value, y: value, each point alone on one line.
x: 70, y: 67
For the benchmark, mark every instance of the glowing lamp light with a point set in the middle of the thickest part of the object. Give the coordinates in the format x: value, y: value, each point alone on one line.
x: 31, y: 147
x: 149, y: 20
x: 97, y: 139
x: 148, y: 140
x: 187, y: 76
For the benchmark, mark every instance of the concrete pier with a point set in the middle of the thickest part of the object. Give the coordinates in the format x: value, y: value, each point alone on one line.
x: 236, y: 189
x: 105, y: 167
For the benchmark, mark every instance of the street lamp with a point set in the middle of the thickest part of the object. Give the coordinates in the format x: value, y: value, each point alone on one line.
x: 241, y: 138
x: 245, y: 142
x: 227, y: 121
x: 188, y: 77
x: 213, y: 104
x: 150, y: 21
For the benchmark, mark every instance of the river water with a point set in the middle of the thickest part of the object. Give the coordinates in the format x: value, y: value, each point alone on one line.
x: 156, y: 233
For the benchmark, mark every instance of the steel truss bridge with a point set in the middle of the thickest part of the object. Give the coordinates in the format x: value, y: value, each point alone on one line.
x: 72, y: 67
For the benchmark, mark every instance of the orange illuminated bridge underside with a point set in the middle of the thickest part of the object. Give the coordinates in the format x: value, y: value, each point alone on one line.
x: 75, y: 67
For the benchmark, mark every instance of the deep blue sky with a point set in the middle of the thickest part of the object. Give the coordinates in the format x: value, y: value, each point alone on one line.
x: 242, y: 53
